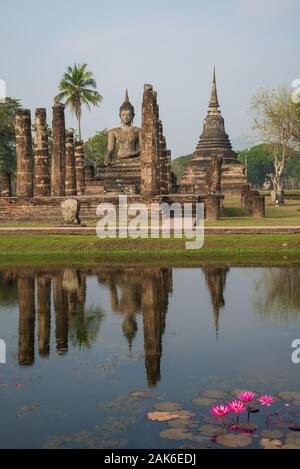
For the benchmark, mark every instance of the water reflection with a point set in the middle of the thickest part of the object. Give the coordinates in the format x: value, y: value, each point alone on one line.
x: 53, y: 303
x: 278, y: 293
x: 215, y: 279
x: 146, y: 291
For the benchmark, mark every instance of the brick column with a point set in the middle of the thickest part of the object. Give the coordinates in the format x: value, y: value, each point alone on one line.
x: 41, y: 157
x: 24, y: 154
x: 149, y: 143
x: 70, y: 182
x: 5, y: 182
x: 79, y: 164
x: 58, y: 162
x: 212, y: 207
x: 257, y: 205
x: 245, y: 195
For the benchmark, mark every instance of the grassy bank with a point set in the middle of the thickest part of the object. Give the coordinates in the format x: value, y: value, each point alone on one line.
x: 275, y: 249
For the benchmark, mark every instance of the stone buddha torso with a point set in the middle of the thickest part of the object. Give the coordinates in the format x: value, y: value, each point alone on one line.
x: 124, y: 141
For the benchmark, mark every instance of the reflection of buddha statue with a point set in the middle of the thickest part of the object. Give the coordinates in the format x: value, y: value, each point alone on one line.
x: 124, y: 141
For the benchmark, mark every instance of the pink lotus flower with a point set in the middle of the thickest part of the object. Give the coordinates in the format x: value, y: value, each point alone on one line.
x: 237, y: 407
x: 266, y: 400
x: 247, y: 396
x: 220, y: 410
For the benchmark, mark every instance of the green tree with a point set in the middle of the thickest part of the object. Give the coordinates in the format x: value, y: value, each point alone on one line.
x: 276, y: 122
x: 8, y: 110
x: 259, y: 163
x: 96, y: 147
x: 78, y: 88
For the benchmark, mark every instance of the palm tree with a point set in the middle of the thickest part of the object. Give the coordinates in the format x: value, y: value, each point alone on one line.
x: 78, y: 87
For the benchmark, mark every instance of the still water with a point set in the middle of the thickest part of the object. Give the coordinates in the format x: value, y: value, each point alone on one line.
x: 80, y: 344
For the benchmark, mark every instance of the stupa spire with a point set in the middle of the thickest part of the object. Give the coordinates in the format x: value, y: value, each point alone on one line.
x: 214, y: 103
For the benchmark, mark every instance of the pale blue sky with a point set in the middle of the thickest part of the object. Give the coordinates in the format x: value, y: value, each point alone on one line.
x: 170, y: 43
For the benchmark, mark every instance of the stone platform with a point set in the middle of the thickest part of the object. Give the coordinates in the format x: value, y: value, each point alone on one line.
x: 47, y: 210
x: 121, y: 177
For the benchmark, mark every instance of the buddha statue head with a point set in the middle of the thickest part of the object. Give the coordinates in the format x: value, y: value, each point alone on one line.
x: 126, y: 111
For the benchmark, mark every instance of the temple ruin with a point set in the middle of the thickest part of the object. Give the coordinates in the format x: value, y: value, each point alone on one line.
x: 214, y: 141
x: 138, y: 164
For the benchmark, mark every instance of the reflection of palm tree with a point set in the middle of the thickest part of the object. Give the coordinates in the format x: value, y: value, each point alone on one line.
x: 85, y: 326
x: 278, y: 293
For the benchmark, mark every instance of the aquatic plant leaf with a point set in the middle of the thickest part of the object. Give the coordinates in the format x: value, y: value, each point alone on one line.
x: 27, y: 410
x: 176, y: 434
x: 140, y: 394
x: 218, y: 421
x: 212, y: 430
x: 281, y: 423
x: 214, y: 394
x: 271, y: 434
x: 295, y: 428
x: 165, y: 416
x: 290, y: 395
x: 266, y: 443
x: 237, y: 392
x: 182, y: 423
x: 251, y: 426
x: 234, y: 441
x: 254, y: 410
x: 204, y: 401
x: 167, y: 406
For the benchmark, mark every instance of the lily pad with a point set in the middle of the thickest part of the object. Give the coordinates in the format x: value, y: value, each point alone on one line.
x: 176, y: 434
x: 140, y: 394
x: 167, y: 406
x: 218, y: 421
x: 266, y: 443
x: 246, y: 426
x: 234, y: 441
x: 291, y: 445
x: 281, y: 423
x: 212, y: 430
x: 165, y: 416
x: 296, y: 403
x: 271, y: 434
x: 290, y: 395
x: 295, y: 428
x: 237, y: 392
x: 182, y: 423
x: 204, y: 401
x: 214, y: 394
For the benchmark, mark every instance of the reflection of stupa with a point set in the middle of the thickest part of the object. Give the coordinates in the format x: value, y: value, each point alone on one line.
x: 141, y: 290
x: 215, y: 279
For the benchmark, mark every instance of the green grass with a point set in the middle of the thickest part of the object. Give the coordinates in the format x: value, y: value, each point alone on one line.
x: 88, y: 250
x: 287, y: 214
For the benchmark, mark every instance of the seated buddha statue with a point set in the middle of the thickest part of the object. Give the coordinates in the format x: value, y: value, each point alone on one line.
x: 124, y: 141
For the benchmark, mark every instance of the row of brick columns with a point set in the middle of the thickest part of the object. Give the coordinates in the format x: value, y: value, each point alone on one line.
x: 67, y: 176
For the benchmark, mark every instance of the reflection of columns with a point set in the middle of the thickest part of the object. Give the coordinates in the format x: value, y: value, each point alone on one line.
x: 44, y: 314
x: 26, y: 320
x: 61, y: 316
x: 156, y: 286
x: 215, y: 279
